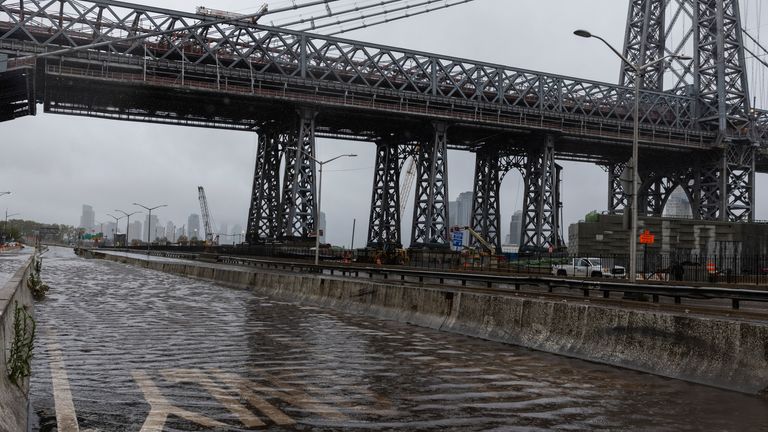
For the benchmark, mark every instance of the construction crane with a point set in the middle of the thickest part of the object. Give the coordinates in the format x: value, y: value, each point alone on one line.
x: 405, y: 189
x: 210, y: 237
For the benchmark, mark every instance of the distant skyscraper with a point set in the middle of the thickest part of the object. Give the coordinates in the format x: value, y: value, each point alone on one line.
x: 170, y: 231
x: 135, y: 233
x: 515, y: 227
x: 193, y: 227
x: 152, y: 227
x: 460, y: 211
x: 181, y: 232
x: 88, y: 218
x: 223, y: 229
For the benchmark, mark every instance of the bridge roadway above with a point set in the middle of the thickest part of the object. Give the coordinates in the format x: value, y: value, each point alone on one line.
x: 128, y: 348
x: 245, y: 77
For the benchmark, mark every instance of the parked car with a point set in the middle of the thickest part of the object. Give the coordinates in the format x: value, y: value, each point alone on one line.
x: 589, y: 267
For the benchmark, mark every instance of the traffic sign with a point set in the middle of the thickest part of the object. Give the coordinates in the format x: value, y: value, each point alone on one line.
x: 647, y: 238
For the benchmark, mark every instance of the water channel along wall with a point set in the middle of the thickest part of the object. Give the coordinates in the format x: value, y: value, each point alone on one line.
x: 15, y: 297
x: 721, y: 352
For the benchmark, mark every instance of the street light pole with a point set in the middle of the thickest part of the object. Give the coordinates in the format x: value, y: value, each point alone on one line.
x: 127, y: 224
x: 149, y: 220
x: 634, y: 162
x: 319, y: 196
x: 116, y: 220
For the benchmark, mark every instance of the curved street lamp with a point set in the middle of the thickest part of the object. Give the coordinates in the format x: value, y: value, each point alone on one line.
x: 127, y: 224
x: 639, y: 70
x: 149, y: 219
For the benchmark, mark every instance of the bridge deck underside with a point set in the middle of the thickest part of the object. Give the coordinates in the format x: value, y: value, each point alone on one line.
x: 129, y: 95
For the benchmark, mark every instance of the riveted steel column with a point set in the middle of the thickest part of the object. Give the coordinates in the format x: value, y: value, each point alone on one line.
x: 645, y: 42
x: 485, y: 198
x: 539, y: 207
x: 617, y: 198
x: 298, y: 214
x: 740, y: 166
x: 430, y: 218
x: 264, y: 212
x: 384, y: 230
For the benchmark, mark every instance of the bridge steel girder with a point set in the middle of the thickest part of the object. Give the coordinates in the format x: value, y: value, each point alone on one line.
x: 430, y: 216
x: 486, y: 213
x: 298, y: 215
x: 740, y: 182
x: 645, y: 41
x: 384, y: 229
x: 618, y: 200
x: 263, y: 216
x: 540, y: 231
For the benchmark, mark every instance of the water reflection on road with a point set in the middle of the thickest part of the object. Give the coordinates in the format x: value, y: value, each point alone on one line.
x: 142, y: 350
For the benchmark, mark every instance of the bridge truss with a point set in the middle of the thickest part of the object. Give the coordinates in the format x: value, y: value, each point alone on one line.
x: 291, y: 87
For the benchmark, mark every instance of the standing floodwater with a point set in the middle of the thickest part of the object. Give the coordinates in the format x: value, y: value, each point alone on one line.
x: 121, y: 348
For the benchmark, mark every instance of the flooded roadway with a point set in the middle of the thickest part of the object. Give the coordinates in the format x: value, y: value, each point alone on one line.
x: 122, y: 348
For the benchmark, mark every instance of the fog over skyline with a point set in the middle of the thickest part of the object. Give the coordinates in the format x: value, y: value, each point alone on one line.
x: 54, y: 164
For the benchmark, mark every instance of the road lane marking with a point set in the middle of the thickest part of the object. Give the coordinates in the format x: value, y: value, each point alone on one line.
x: 226, y: 399
x: 160, y: 408
x: 66, y: 418
x: 259, y: 403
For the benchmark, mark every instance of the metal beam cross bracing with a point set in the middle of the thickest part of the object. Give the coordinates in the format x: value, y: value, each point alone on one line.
x: 644, y: 42
x: 618, y: 200
x: 540, y: 232
x: 263, y: 216
x: 430, y: 216
x: 384, y: 230
x: 298, y: 215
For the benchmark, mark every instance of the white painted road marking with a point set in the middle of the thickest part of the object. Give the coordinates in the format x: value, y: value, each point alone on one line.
x: 161, y: 408
x: 66, y: 418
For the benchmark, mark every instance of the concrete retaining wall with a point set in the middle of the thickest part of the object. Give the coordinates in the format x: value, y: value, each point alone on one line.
x: 14, y: 400
x: 724, y: 353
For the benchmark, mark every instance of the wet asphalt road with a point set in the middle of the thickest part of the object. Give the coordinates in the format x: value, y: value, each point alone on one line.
x: 122, y: 348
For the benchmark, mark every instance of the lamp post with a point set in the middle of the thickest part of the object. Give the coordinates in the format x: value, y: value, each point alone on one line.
x: 127, y: 224
x: 149, y: 219
x: 116, y: 230
x: 639, y: 70
x: 319, y: 195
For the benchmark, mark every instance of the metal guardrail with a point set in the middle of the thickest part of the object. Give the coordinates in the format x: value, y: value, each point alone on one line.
x: 606, y: 288
x: 502, y: 283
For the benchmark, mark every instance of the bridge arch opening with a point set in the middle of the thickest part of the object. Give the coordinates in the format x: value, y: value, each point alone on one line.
x: 678, y: 205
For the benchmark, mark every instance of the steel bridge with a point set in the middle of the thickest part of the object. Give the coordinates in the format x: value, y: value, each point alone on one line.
x: 291, y: 87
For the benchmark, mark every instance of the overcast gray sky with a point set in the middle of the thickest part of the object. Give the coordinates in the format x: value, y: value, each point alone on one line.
x: 53, y: 164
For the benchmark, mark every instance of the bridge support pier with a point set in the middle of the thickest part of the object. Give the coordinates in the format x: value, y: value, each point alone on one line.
x: 384, y: 230
x: 263, y: 215
x: 430, y: 218
x: 298, y: 214
x: 485, y: 198
x: 540, y: 230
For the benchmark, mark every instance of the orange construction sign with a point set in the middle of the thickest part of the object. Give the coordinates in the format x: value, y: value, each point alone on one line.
x: 647, y: 238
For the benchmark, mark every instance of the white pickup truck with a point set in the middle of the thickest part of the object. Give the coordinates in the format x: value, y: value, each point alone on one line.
x: 589, y: 267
